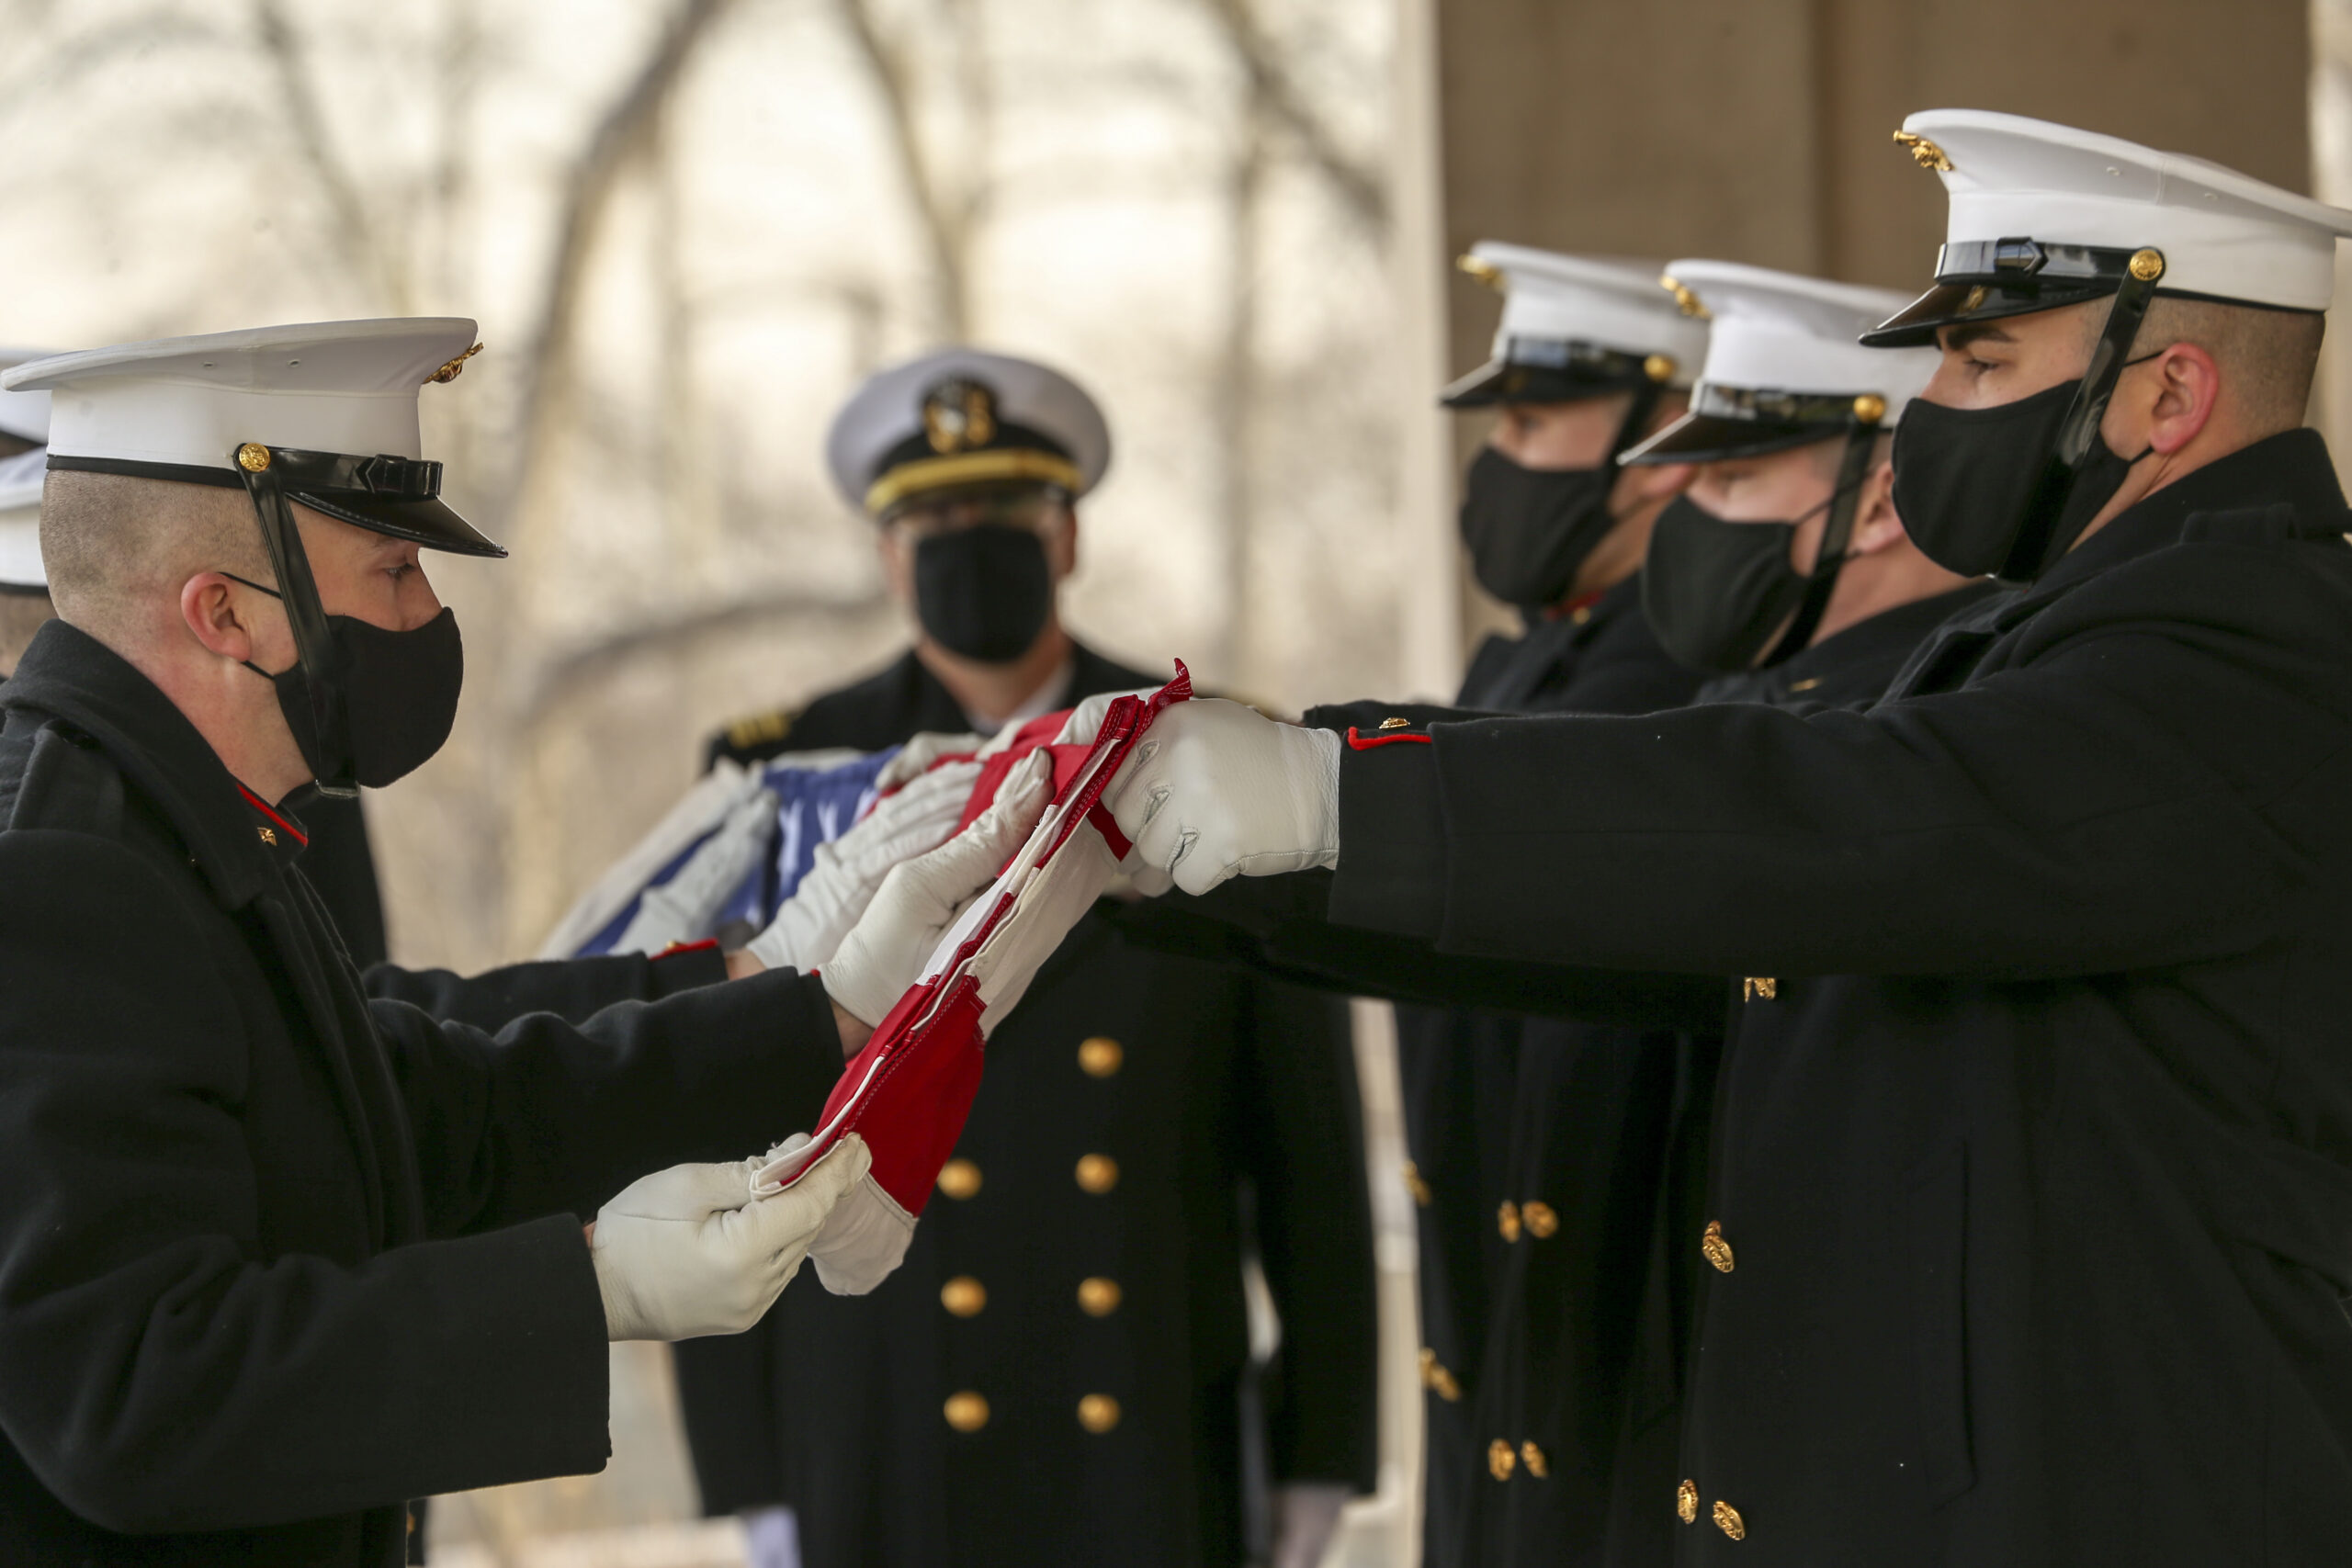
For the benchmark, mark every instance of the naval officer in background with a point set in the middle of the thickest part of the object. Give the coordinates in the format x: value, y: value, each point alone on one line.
x: 1061, y: 1370
x: 2026, y: 1210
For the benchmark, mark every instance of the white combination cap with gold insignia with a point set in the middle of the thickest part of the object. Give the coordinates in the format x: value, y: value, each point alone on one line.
x: 1577, y: 327
x: 1783, y: 365
x: 2045, y: 215
x: 964, y: 419
x: 330, y: 407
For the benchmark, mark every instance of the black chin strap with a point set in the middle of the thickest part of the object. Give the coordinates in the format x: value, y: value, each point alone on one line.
x: 2038, y: 540
x: 1837, y: 536
x: 315, y: 649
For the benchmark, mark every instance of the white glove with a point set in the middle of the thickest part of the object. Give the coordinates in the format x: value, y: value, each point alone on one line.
x: 1214, y: 790
x: 886, y: 952
x: 682, y: 908
x: 688, y: 1251
x: 1306, y: 1514
x: 830, y: 899
x: 915, y: 758
x: 1084, y: 725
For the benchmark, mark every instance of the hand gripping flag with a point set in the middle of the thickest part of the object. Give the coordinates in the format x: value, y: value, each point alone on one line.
x: 908, y: 1093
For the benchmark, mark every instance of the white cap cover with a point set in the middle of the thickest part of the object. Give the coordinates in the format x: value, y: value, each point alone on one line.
x: 24, y: 415
x: 2043, y: 214
x: 20, y: 482
x: 1010, y: 419
x: 346, y: 387
x: 1609, y: 303
x: 1781, y: 332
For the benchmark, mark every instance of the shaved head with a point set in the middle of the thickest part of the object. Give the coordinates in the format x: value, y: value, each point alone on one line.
x: 119, y: 548
x: 2267, y: 358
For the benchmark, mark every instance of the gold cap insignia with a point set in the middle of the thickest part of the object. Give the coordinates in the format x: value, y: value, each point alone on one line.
x: 958, y: 415
x: 1924, y: 152
x: 450, y: 371
x: 253, y: 457
x: 2147, y: 266
x: 1689, y: 304
x: 1483, y: 270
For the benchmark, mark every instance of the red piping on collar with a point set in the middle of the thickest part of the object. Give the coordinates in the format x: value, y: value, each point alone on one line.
x: 1581, y: 601
x: 259, y: 805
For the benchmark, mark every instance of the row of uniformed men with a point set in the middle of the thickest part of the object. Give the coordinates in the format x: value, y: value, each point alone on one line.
x: 2091, y: 800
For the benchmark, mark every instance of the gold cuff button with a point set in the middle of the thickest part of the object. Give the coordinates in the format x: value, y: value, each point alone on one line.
x: 1414, y: 1185
x: 966, y: 1412
x: 964, y: 1296
x: 1500, y: 1459
x: 1717, y: 1249
x: 1686, y: 1502
x: 1727, y: 1520
x: 1537, y: 1466
x: 1506, y: 1220
x: 1099, y: 1297
x: 1539, y: 1218
x: 1098, y: 1413
x: 1100, y: 1058
x: 1097, y: 1173
x: 959, y: 1178
x: 1760, y: 988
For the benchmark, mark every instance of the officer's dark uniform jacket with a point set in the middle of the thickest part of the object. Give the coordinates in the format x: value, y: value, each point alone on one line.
x: 1534, y: 1145
x: 274, y: 1258
x: 2030, y: 1219
x: 1055, y: 1374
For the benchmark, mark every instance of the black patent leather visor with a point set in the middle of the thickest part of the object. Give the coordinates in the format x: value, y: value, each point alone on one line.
x: 1712, y: 438
x: 386, y: 494
x: 1552, y: 370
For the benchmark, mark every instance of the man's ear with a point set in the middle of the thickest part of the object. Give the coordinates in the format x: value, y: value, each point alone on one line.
x: 210, y: 609
x: 1876, y: 527
x: 1061, y: 550
x: 2179, y: 391
x: 898, y: 563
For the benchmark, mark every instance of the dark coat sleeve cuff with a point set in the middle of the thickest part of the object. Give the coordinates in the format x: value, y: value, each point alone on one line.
x: 1391, y: 876
x: 687, y: 969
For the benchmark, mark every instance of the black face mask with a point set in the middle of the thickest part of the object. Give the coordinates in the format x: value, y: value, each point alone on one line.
x: 984, y: 591
x: 1528, y: 530
x: 1716, y: 593
x: 1967, y: 480
x: 399, y: 694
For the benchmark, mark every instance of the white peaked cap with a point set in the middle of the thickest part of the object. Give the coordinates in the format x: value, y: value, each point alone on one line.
x: 2223, y: 233
x: 347, y: 386
x: 889, y: 411
x: 1784, y: 332
x: 1612, y: 303
x: 24, y: 415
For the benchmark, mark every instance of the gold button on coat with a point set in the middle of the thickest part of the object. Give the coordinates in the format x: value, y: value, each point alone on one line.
x: 1097, y: 1173
x: 1415, y: 1186
x: 966, y: 1412
x: 1506, y: 1220
x: 964, y: 1296
x: 1760, y: 988
x: 1539, y: 1218
x: 1099, y: 1297
x: 1537, y: 1466
x: 1437, y: 1379
x: 959, y: 1178
x: 1717, y: 1249
x: 1500, y: 1459
x: 1686, y: 1502
x: 1727, y: 1520
x: 1098, y: 1413
x: 1100, y: 1058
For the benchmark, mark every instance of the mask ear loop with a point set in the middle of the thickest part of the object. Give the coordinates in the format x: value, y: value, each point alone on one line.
x: 1837, y: 534
x: 2037, y: 541
x: 314, y: 647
